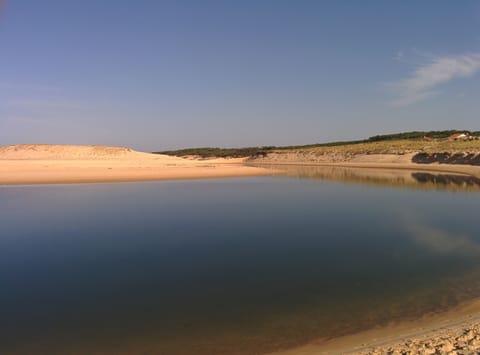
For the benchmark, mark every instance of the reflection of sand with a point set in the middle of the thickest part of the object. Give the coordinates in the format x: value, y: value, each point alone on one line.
x: 377, y: 161
x: 383, y: 177
x: 39, y: 164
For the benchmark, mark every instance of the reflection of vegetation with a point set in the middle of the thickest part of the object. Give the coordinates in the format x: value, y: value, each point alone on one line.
x: 444, y: 179
x: 382, y: 177
x: 386, y: 143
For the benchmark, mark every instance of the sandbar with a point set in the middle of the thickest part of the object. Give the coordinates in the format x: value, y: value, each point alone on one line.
x: 60, y: 164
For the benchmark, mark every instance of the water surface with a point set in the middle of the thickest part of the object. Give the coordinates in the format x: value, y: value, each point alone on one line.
x: 227, y: 266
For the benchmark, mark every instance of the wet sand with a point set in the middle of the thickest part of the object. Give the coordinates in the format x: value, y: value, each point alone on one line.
x: 452, y: 332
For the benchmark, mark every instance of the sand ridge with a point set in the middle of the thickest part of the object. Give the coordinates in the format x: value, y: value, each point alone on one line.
x: 68, y: 152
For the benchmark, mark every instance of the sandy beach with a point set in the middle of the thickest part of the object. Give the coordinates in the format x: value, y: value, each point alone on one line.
x: 453, y: 332
x: 50, y: 164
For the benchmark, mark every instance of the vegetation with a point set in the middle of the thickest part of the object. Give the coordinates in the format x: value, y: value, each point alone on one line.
x: 398, y: 142
x: 415, y: 135
x: 401, y: 146
x: 219, y: 152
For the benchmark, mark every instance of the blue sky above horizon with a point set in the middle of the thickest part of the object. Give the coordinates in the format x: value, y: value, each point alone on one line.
x: 159, y: 75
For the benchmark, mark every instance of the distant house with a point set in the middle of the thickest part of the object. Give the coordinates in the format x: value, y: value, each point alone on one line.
x: 459, y: 136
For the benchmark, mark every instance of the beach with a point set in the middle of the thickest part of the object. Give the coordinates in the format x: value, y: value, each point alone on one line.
x: 54, y: 164
x: 456, y: 331
x: 51, y: 164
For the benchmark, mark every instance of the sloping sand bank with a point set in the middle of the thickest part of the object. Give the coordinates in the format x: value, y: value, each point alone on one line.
x: 347, y: 160
x: 453, y: 332
x: 48, y: 164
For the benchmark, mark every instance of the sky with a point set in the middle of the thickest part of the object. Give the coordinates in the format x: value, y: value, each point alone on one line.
x: 157, y: 75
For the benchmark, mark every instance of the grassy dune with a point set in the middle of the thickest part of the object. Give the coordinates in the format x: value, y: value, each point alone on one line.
x: 402, y: 146
x: 398, y: 146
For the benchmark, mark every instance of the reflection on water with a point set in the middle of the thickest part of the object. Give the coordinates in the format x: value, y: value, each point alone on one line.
x: 441, y: 241
x: 236, y: 266
x: 448, y: 180
x: 383, y: 177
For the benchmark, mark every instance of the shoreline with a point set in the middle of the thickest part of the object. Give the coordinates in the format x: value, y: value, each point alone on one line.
x: 410, y: 335
x: 404, y: 161
x: 469, y: 170
x: 28, y: 164
x: 60, y: 164
x: 32, y: 172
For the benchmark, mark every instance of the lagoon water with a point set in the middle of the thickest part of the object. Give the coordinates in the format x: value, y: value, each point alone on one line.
x: 231, y: 266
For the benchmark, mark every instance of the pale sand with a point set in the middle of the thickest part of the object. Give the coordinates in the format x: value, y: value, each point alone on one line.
x: 422, y: 336
x: 48, y: 164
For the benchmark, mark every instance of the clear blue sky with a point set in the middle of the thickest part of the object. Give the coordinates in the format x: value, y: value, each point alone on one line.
x: 169, y: 74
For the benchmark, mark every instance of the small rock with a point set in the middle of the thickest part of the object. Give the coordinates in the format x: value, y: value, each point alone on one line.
x: 446, y: 347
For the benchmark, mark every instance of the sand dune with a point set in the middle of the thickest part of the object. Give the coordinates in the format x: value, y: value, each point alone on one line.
x: 68, y: 152
x: 43, y: 163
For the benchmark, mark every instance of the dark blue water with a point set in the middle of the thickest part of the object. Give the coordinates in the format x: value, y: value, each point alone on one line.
x: 234, y: 266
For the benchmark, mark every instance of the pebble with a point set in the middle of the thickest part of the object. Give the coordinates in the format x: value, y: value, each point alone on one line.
x: 461, y: 341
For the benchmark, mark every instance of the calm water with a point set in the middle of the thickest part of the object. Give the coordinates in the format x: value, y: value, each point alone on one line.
x: 234, y: 266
